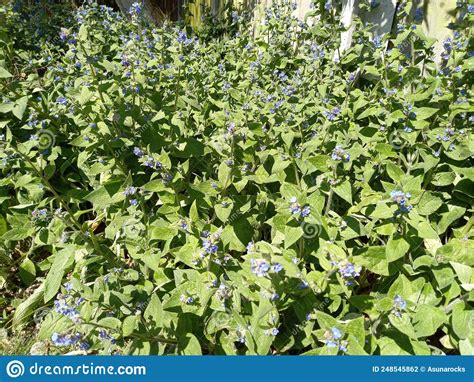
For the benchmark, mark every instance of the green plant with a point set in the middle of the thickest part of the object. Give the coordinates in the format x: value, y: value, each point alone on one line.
x: 236, y: 193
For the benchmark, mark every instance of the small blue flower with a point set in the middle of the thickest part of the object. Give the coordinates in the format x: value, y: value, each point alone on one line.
x: 305, y: 211
x: 331, y: 344
x: 277, y: 267
x: 84, y: 346
x: 418, y: 15
x: 275, y: 297
x: 133, y: 202
x: 274, y: 331
x: 61, y: 100
x: 340, y: 154
x: 68, y: 286
x: 65, y: 339
x: 130, y: 190
x: 336, y: 333
x: 259, y: 267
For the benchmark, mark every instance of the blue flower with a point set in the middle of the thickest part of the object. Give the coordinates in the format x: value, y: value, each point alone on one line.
x: 65, y: 339
x: 274, y: 297
x: 135, y: 9
x: 295, y: 207
x: 331, y: 344
x: 130, y: 191
x: 277, y: 267
x: 401, y: 198
x: 348, y: 270
x: 399, y: 302
x: 84, y: 346
x: 419, y: 15
x: 340, y: 154
x: 133, y: 202
x: 328, y: 5
x: 259, y: 267
x: 336, y: 333
x: 61, y: 100
x: 138, y: 151
x: 68, y: 286
x: 343, y: 346
x: 332, y: 114
x: 186, y: 299
x: 104, y: 336
x: 377, y: 41
x: 274, y: 331
x: 305, y: 211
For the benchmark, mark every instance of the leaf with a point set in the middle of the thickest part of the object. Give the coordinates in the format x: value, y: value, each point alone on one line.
x: 25, y: 310
x: 374, y: 259
x: 455, y: 212
x: 20, y: 107
x: 423, y: 113
x: 27, y: 271
x: 427, y: 320
x: 292, y: 235
x: 396, y: 248
x: 461, y: 321
x: 428, y: 204
x: 129, y: 325
x: 189, y: 345
x: 4, y: 73
x: 85, y: 95
x: 344, y: 191
x: 16, y: 234
x: 154, y: 312
x: 62, y: 260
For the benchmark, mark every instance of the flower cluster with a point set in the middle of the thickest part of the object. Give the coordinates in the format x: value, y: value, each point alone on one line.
x: 39, y: 214
x: 262, y: 267
x: 401, y: 199
x: 65, y: 339
x: 186, y: 299
x: 339, y: 154
x: 399, y: 304
x: 333, y: 339
x: 296, y: 209
x: 348, y: 271
x: 67, y: 306
x: 209, y: 242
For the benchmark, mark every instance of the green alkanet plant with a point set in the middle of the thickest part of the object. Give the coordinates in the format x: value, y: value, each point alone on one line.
x: 169, y: 190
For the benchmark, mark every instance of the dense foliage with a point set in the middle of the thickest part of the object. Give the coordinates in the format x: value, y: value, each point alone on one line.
x: 170, y: 191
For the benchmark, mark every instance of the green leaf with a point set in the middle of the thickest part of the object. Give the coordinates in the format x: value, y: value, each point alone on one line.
x: 27, y: 271
x: 154, y: 312
x: 129, y: 325
x: 62, y: 260
x: 374, y: 259
x: 396, y: 248
x: 427, y: 320
x: 20, y: 107
x: 344, y: 190
x: 24, y: 312
x: 189, y: 345
x: 4, y: 73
